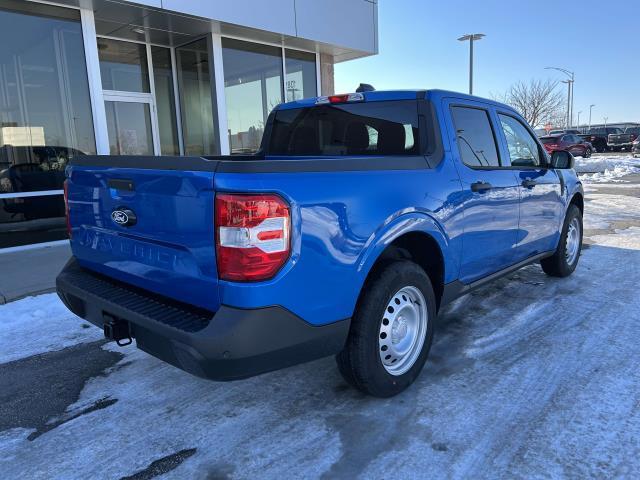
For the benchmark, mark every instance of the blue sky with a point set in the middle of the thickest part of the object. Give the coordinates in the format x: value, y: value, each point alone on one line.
x: 598, y: 40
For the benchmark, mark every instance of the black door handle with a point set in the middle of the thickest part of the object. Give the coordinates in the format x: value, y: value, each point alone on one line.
x: 481, y: 186
x: 528, y: 183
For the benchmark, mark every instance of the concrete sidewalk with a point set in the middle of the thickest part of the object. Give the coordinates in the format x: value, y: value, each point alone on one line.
x: 30, y: 272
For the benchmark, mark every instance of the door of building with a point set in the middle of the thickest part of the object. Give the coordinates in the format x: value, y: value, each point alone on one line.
x: 132, y: 123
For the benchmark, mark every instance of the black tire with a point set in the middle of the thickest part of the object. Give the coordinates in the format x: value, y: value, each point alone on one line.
x: 360, y: 361
x: 558, y: 265
x: 587, y: 153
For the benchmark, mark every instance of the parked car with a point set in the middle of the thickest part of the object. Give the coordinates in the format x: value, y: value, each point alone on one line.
x: 560, y: 132
x: 360, y: 218
x: 599, y: 137
x: 622, y: 141
x: 569, y: 142
x: 635, y: 147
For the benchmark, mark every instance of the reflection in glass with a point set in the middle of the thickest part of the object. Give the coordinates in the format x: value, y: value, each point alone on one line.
x: 196, y: 104
x: 301, y: 75
x: 29, y: 220
x: 165, y: 100
x: 45, y: 110
x: 253, y: 87
x: 129, y: 127
x: 123, y: 66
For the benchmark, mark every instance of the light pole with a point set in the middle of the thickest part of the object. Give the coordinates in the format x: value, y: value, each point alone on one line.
x: 605, y: 122
x: 569, y: 83
x: 590, y: 108
x: 579, y: 119
x: 471, y: 37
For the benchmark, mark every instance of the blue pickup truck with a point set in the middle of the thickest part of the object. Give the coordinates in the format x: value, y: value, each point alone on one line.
x: 359, y: 219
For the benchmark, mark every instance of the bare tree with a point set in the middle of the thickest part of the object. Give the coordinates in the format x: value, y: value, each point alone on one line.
x: 538, y: 101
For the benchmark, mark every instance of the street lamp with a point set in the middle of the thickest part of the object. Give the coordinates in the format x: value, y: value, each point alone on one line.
x: 569, y: 83
x: 471, y: 37
x: 579, y: 118
x: 605, y: 122
x: 590, y: 108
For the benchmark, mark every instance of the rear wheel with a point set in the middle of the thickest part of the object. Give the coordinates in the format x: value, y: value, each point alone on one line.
x: 565, y: 259
x: 391, y: 331
x: 587, y: 153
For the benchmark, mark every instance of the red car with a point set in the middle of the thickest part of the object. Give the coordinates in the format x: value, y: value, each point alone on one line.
x: 570, y: 142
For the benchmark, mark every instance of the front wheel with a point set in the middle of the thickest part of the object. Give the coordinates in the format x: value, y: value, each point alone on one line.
x: 391, y: 331
x: 565, y: 259
x: 587, y: 153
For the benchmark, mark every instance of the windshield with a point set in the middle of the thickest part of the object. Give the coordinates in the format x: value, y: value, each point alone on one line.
x: 373, y: 128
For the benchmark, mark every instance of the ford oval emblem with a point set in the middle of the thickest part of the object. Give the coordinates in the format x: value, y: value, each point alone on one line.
x: 123, y: 216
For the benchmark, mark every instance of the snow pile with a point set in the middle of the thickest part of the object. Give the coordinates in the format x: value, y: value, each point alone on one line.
x: 40, y: 324
x: 606, y: 169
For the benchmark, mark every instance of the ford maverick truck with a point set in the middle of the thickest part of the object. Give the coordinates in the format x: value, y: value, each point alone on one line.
x: 361, y: 217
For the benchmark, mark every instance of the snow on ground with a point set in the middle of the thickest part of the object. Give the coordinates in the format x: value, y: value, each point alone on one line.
x: 606, y: 168
x: 49, y: 326
x: 529, y: 376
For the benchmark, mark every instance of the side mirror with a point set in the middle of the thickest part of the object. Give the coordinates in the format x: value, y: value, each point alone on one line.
x: 562, y: 160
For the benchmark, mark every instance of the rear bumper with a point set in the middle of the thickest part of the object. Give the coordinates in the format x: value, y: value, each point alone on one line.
x: 228, y: 345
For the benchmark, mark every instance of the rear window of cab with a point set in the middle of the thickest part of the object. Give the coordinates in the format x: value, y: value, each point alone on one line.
x: 363, y: 128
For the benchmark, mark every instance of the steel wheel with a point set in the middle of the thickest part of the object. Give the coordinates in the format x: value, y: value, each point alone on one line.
x: 402, y: 330
x: 573, y: 242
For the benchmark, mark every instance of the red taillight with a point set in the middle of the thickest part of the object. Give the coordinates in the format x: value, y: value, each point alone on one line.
x: 66, y: 206
x: 252, y: 236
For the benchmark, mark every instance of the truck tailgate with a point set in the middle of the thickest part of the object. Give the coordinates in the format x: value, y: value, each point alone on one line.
x: 151, y: 228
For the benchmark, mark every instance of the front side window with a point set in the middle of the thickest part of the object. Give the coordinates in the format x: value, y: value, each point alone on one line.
x: 368, y: 128
x: 523, y: 149
x: 475, y: 137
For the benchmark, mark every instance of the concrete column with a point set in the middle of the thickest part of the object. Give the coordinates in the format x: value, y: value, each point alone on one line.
x: 327, y: 86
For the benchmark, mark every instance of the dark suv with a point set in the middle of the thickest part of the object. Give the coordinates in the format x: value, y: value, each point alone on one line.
x: 599, y: 137
x: 621, y: 141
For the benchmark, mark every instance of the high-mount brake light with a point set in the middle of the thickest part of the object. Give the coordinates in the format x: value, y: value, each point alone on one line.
x: 342, y: 98
x: 252, y: 236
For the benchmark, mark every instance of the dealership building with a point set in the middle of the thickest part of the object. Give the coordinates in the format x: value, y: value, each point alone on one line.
x: 152, y: 77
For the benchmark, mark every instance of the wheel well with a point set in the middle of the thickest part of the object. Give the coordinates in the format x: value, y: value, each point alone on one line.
x: 578, y: 201
x: 421, y: 249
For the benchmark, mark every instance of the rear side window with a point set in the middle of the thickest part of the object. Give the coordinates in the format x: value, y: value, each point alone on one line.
x: 367, y: 128
x: 476, y: 141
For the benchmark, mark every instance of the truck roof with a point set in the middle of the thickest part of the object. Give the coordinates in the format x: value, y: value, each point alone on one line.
x: 386, y: 95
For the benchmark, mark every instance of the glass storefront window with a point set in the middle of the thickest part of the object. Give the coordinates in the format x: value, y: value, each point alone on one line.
x: 26, y: 220
x: 165, y: 100
x: 45, y: 116
x: 196, y: 103
x: 123, y: 66
x: 301, y: 75
x: 253, y: 87
x: 129, y: 127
